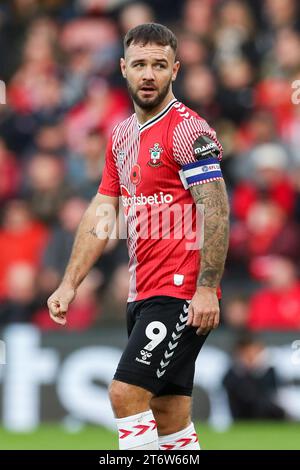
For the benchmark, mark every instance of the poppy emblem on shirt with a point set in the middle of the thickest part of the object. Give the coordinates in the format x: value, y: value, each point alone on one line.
x: 155, y: 156
x: 135, y: 174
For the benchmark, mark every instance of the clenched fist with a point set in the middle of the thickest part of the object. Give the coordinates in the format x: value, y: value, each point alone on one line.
x: 58, y: 303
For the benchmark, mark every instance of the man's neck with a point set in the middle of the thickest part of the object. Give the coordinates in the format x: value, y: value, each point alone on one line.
x: 144, y: 115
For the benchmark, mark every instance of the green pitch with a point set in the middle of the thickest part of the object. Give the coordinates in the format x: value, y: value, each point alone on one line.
x: 239, y: 436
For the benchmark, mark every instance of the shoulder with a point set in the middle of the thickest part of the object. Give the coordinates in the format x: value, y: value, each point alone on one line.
x: 188, y: 122
x: 123, y: 127
x: 192, y: 134
x: 183, y: 112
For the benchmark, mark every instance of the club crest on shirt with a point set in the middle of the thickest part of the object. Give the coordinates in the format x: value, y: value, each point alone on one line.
x: 155, y: 154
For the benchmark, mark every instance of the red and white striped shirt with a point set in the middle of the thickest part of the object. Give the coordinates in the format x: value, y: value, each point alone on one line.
x: 151, y: 166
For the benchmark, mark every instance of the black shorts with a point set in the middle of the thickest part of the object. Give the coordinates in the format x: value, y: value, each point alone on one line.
x: 161, y: 351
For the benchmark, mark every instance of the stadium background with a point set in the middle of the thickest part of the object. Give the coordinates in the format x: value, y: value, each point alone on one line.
x: 240, y: 64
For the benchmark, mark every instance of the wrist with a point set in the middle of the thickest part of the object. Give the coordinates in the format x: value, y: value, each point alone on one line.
x: 207, y: 289
x: 68, y: 283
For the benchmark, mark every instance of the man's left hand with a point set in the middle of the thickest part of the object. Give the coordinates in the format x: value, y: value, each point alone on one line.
x: 204, y: 310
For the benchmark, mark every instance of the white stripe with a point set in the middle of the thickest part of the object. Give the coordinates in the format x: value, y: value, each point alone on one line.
x: 185, y: 133
x: 127, y: 139
x: 205, y: 181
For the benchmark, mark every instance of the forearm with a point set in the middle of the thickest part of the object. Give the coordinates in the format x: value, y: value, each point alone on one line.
x: 88, y: 246
x: 213, y: 198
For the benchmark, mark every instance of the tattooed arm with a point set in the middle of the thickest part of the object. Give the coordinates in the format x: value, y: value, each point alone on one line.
x: 89, y: 244
x: 204, y: 308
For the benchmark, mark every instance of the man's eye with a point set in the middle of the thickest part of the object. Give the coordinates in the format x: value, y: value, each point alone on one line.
x: 160, y: 66
x: 138, y: 65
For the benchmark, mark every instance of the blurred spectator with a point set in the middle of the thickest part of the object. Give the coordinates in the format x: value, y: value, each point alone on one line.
x: 118, y: 291
x: 277, y: 306
x: 102, y: 108
x: 134, y: 14
x: 46, y: 188
x: 98, y: 6
x: 58, y: 249
x: 287, y: 52
x: 290, y: 130
x: 95, y: 36
x: 198, y: 17
x: 251, y: 383
x: 236, y: 92
x: 259, y: 129
x: 192, y: 50
x: 22, y: 239
x: 199, y: 88
x: 94, y: 33
x: 236, y: 312
x: 280, y: 13
x: 274, y: 94
x: 9, y: 173
x: 50, y: 139
x: 20, y: 300
x: 267, y: 177
x: 266, y: 231
x: 296, y: 183
x: 85, y: 168
x: 235, y: 33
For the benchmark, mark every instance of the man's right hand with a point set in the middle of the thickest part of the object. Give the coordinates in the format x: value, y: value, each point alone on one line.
x: 58, y: 303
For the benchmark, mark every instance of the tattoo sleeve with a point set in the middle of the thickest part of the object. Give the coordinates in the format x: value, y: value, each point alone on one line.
x: 213, y: 197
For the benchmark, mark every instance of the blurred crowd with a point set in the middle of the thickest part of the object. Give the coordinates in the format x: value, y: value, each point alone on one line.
x: 60, y: 62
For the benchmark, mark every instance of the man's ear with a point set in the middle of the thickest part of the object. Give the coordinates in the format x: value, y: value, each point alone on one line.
x: 175, y: 70
x: 123, y: 67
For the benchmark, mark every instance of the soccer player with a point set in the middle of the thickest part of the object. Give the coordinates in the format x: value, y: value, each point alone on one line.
x: 164, y: 159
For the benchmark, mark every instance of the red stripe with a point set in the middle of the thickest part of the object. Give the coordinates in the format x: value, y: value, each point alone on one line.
x: 167, y: 446
x: 142, y: 428
x: 185, y: 441
x: 125, y: 432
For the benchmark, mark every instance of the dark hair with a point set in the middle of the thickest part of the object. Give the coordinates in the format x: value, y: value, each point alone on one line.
x: 245, y: 339
x: 152, y: 33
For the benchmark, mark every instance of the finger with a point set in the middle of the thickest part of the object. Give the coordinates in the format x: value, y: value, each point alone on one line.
x: 63, y: 307
x: 53, y: 307
x: 55, y: 313
x: 206, y: 324
x: 62, y: 321
x: 212, y: 323
x: 58, y: 307
x: 204, y: 320
x: 190, y: 316
x: 216, y: 321
x: 59, y: 318
x: 203, y: 331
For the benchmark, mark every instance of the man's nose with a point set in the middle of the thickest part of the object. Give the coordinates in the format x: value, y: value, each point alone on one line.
x: 148, y: 73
